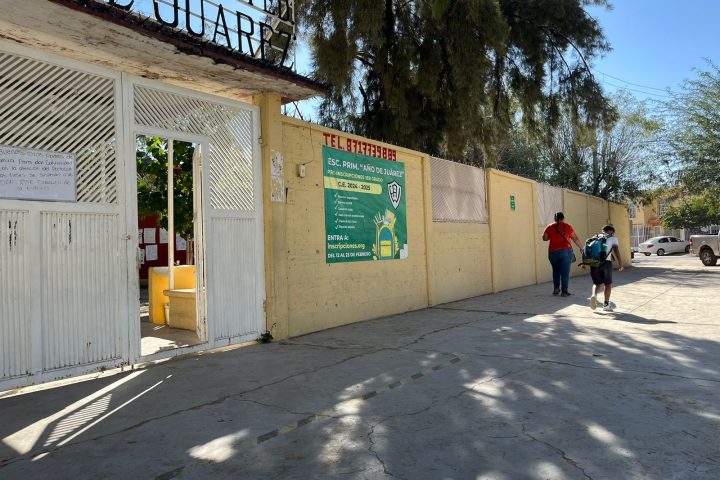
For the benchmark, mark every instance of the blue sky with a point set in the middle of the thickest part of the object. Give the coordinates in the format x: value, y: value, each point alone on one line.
x: 657, y: 43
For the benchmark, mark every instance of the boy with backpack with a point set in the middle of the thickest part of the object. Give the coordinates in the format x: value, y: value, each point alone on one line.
x: 598, y: 253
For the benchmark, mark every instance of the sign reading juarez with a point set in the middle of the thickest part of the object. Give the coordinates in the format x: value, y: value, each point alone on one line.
x: 365, y: 215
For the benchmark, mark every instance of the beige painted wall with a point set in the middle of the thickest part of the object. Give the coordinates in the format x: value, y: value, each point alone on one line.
x: 598, y: 215
x: 512, y: 233
x: 543, y: 267
x: 322, y: 295
x: 460, y: 265
x: 621, y: 222
x: 576, y: 214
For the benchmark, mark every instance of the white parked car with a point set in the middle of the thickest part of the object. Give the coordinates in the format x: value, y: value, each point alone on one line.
x: 663, y: 245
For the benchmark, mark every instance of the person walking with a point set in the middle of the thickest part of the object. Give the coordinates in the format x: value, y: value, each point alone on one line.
x: 602, y: 274
x: 560, y: 252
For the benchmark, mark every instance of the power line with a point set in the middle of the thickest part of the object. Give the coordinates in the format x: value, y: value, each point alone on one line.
x: 631, y: 83
x: 636, y: 90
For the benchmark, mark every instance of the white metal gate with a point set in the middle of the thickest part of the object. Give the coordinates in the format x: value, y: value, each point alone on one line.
x: 63, y: 278
x: 232, y: 201
x: 67, y: 269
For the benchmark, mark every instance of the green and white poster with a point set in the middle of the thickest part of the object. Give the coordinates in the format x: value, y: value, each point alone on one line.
x: 365, y: 215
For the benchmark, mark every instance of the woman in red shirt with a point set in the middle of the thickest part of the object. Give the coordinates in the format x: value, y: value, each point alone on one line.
x: 560, y: 252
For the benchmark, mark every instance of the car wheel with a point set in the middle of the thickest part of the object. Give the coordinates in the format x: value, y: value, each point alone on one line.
x: 660, y: 252
x: 708, y: 258
x: 647, y: 254
x: 687, y: 249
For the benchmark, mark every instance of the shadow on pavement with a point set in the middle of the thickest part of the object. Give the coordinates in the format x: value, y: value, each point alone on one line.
x: 495, y: 387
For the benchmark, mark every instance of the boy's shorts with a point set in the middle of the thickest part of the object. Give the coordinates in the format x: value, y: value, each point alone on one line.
x: 602, y: 275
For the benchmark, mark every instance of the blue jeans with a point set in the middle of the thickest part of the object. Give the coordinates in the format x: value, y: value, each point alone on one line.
x: 560, y: 261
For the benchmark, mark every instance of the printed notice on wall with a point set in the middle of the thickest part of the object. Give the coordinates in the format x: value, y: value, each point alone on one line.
x: 365, y: 214
x: 151, y: 253
x: 149, y: 235
x: 27, y: 174
x: 180, y: 243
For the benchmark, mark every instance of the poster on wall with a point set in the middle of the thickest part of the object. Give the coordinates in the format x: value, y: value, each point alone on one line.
x: 27, y: 174
x: 365, y: 214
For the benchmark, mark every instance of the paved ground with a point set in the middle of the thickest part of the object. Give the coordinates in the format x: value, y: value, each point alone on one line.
x: 510, y: 386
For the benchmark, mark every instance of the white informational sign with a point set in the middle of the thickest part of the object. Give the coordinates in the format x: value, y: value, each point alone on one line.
x: 27, y: 174
x: 149, y: 235
x: 163, y: 236
x: 151, y: 253
x: 180, y: 243
x: 142, y: 256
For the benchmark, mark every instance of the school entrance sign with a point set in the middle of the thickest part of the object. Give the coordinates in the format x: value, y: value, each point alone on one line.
x: 263, y: 31
x: 365, y: 214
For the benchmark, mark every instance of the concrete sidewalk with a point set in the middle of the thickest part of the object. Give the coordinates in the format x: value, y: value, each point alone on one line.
x: 509, y: 386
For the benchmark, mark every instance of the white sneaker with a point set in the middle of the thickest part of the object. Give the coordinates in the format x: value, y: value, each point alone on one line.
x: 593, y: 302
x: 608, y: 307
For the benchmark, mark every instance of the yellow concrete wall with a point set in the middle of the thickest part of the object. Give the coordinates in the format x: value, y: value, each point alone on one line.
x: 447, y: 261
x: 322, y: 295
x: 620, y: 220
x: 598, y: 215
x: 276, y: 288
x: 576, y: 214
x: 543, y: 268
x: 460, y: 266
x: 512, y: 233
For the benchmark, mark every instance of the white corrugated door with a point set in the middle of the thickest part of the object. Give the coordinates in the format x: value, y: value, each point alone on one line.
x: 62, y: 264
x: 234, y: 248
x: 14, y: 295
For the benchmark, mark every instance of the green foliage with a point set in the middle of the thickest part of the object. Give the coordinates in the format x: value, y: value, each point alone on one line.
x: 448, y: 77
x: 152, y: 173
x: 265, y: 337
x: 694, y: 211
x: 521, y: 156
x: 611, y: 162
x: 695, y: 131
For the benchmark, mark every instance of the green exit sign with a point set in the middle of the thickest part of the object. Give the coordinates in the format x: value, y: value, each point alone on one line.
x: 512, y: 202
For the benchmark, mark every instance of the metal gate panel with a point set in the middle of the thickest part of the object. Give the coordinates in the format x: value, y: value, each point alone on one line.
x: 79, y: 303
x: 50, y: 107
x: 233, y: 201
x: 14, y: 295
x: 62, y: 308
x: 232, y: 287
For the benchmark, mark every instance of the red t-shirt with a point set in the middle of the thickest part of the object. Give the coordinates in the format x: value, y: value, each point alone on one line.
x: 559, y: 234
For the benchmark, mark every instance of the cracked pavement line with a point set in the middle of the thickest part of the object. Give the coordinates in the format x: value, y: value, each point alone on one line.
x: 433, y: 404
x: 328, y: 412
x: 557, y: 450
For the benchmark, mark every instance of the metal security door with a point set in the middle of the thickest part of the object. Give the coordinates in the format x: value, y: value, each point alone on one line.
x: 234, y: 239
x: 232, y: 200
x: 62, y: 263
